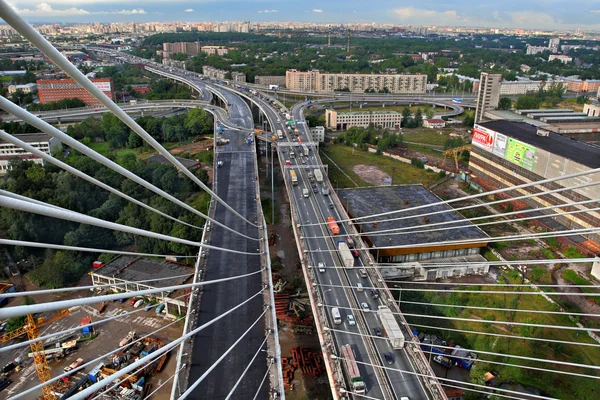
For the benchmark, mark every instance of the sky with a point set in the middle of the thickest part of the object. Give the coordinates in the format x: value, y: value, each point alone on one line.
x: 526, y: 14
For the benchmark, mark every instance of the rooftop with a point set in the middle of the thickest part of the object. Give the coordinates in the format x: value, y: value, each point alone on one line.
x: 374, y: 200
x: 368, y: 112
x: 129, y: 268
x: 583, y: 153
x: 31, y: 137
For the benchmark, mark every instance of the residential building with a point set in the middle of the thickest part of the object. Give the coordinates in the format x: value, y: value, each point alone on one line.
x: 592, y: 109
x: 510, y: 153
x: 218, y: 50
x: 238, y: 77
x: 191, y: 49
x: 28, y: 88
x: 213, y: 72
x: 356, y: 83
x: 508, y: 88
x: 525, y: 68
x: 554, y: 45
x: 317, y: 133
x: 581, y: 86
x: 53, y: 90
x: 343, y: 120
x: 564, y: 59
x: 532, y: 50
x: 489, y: 93
x: 142, y: 88
x: 434, y: 123
x: 267, y: 80
x: 40, y: 141
x: 413, y: 245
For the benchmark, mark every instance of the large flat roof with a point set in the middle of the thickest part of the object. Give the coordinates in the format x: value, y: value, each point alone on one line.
x: 131, y: 269
x: 583, y: 153
x: 31, y: 137
x: 361, y: 202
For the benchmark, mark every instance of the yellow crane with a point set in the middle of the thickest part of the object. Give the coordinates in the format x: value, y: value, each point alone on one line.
x: 455, y: 153
x: 32, y: 329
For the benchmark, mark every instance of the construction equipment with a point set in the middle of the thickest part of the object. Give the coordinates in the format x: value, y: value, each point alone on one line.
x: 32, y: 329
x: 455, y: 153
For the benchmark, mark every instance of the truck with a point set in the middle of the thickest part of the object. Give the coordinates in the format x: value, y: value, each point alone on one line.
x: 293, y: 177
x: 296, y: 131
x: 345, y: 254
x: 318, y: 175
x: 356, y: 381
x: 305, y: 150
x: 391, y: 327
x: 279, y: 134
x: 333, y: 226
x: 288, y: 117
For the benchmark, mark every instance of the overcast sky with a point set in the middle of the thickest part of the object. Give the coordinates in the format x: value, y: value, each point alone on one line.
x: 527, y: 14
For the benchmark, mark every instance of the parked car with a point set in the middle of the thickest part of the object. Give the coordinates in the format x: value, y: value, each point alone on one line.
x: 351, y: 320
x: 4, y: 382
x: 134, y: 300
x: 160, y: 308
x: 138, y: 303
x: 148, y: 307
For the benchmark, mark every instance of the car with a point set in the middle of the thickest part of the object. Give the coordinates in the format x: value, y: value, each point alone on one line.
x: 351, y: 320
x: 349, y: 242
x: 388, y: 358
x: 134, y: 300
x: 321, y: 267
x: 138, y: 303
x: 377, y: 332
x: 331, y: 206
x: 362, y: 272
x: 365, y: 306
x: 374, y: 294
x: 315, y: 190
x: 4, y: 382
x: 355, y: 253
x: 148, y: 307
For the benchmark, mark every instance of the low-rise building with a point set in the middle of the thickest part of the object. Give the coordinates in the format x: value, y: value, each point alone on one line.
x: 28, y: 88
x: 508, y: 88
x: 267, y: 80
x: 581, y: 86
x: 564, y: 59
x: 213, y: 72
x: 53, y: 90
x: 238, y: 77
x: 532, y: 50
x: 592, y: 109
x: 317, y: 133
x: 343, y: 120
x: 404, y: 239
x: 41, y: 141
x: 434, y: 123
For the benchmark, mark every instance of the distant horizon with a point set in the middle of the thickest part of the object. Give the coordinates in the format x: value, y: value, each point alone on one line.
x: 561, y: 15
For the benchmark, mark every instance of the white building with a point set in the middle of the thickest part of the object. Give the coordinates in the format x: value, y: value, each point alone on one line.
x: 564, y: 59
x: 343, y: 120
x: 317, y: 133
x: 531, y: 50
x: 41, y: 141
x: 434, y: 123
x: 519, y: 87
x: 28, y: 88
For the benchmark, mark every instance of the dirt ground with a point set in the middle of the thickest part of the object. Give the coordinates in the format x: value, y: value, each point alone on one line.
x: 372, y: 175
x: 109, y: 335
x: 195, y: 147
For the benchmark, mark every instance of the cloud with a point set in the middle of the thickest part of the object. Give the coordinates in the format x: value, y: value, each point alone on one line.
x: 135, y: 11
x: 267, y: 11
x: 595, y: 11
x: 420, y: 16
x: 317, y: 10
x: 46, y: 9
x: 189, y: 10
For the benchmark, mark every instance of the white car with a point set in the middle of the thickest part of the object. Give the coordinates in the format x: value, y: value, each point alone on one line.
x: 365, y: 306
x: 138, y: 303
x: 321, y: 267
x: 351, y: 320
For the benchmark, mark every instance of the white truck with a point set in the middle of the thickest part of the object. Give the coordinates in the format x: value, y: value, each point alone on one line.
x: 391, y: 327
x: 356, y: 380
x: 318, y: 175
x: 345, y: 254
x: 273, y: 87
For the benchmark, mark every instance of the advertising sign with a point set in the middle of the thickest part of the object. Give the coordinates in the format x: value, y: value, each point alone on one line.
x: 483, y: 137
x: 500, y: 142
x: 520, y: 153
x: 104, y: 86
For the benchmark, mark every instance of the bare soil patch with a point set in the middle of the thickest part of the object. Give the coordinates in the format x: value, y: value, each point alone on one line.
x: 372, y: 175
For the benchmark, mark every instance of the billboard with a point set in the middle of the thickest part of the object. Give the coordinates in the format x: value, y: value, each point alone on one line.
x: 520, y: 153
x: 500, y: 143
x: 483, y: 137
x: 104, y: 86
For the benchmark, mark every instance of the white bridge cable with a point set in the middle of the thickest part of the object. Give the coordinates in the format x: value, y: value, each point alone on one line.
x: 10, y: 16
x: 4, y: 349
x: 470, y: 197
x: 164, y: 383
x: 500, y: 285
x: 45, y: 127
x: 570, y: 232
x: 260, y: 348
x: 92, y: 287
x: 538, y: 360
x: 19, y: 143
x: 84, y: 394
x: 89, y: 363
x: 10, y: 242
x: 481, y: 321
x: 409, y: 230
x: 216, y: 363
x: 17, y: 311
x: 355, y: 288
x: 21, y: 205
x: 594, y: 344
x: 439, y: 378
x: 262, y: 382
x: 488, y: 392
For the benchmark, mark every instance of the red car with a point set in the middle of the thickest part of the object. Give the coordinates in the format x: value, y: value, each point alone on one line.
x: 134, y: 300
x: 355, y: 253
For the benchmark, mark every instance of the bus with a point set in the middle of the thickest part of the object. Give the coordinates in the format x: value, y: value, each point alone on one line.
x: 457, y: 100
x: 294, y: 177
x: 337, y: 317
x: 279, y: 134
x: 305, y: 150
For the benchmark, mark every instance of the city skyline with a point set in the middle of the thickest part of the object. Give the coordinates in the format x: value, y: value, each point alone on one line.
x: 526, y: 14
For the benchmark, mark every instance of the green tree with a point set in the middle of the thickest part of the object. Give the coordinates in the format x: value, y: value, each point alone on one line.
x: 418, y: 117
x: 527, y: 102
x: 505, y: 103
x: 469, y: 119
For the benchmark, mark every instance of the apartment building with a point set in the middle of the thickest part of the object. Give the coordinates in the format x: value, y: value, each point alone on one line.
x: 489, y: 93
x: 581, y: 86
x: 40, y: 141
x: 52, y: 90
x: 267, y: 80
x: 28, y: 88
x: 191, y: 49
x: 343, y: 120
x: 213, y: 72
x: 510, y: 153
x: 564, y: 59
x: 356, y: 83
x: 592, y: 109
x: 238, y: 77
x: 317, y: 133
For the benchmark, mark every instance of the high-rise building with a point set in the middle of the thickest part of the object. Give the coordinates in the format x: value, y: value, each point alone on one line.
x: 489, y: 93
x: 554, y: 45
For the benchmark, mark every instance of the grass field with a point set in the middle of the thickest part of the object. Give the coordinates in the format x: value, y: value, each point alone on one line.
x: 142, y: 152
x: 402, y: 173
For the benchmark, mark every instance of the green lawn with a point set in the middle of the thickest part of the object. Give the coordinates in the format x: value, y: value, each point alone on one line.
x: 427, y: 136
x: 403, y: 173
x: 200, y: 202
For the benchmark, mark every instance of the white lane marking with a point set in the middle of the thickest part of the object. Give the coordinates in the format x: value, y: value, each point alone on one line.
x: 337, y: 302
x: 331, y: 283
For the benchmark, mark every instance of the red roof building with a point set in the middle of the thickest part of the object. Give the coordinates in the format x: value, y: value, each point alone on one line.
x: 53, y: 90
